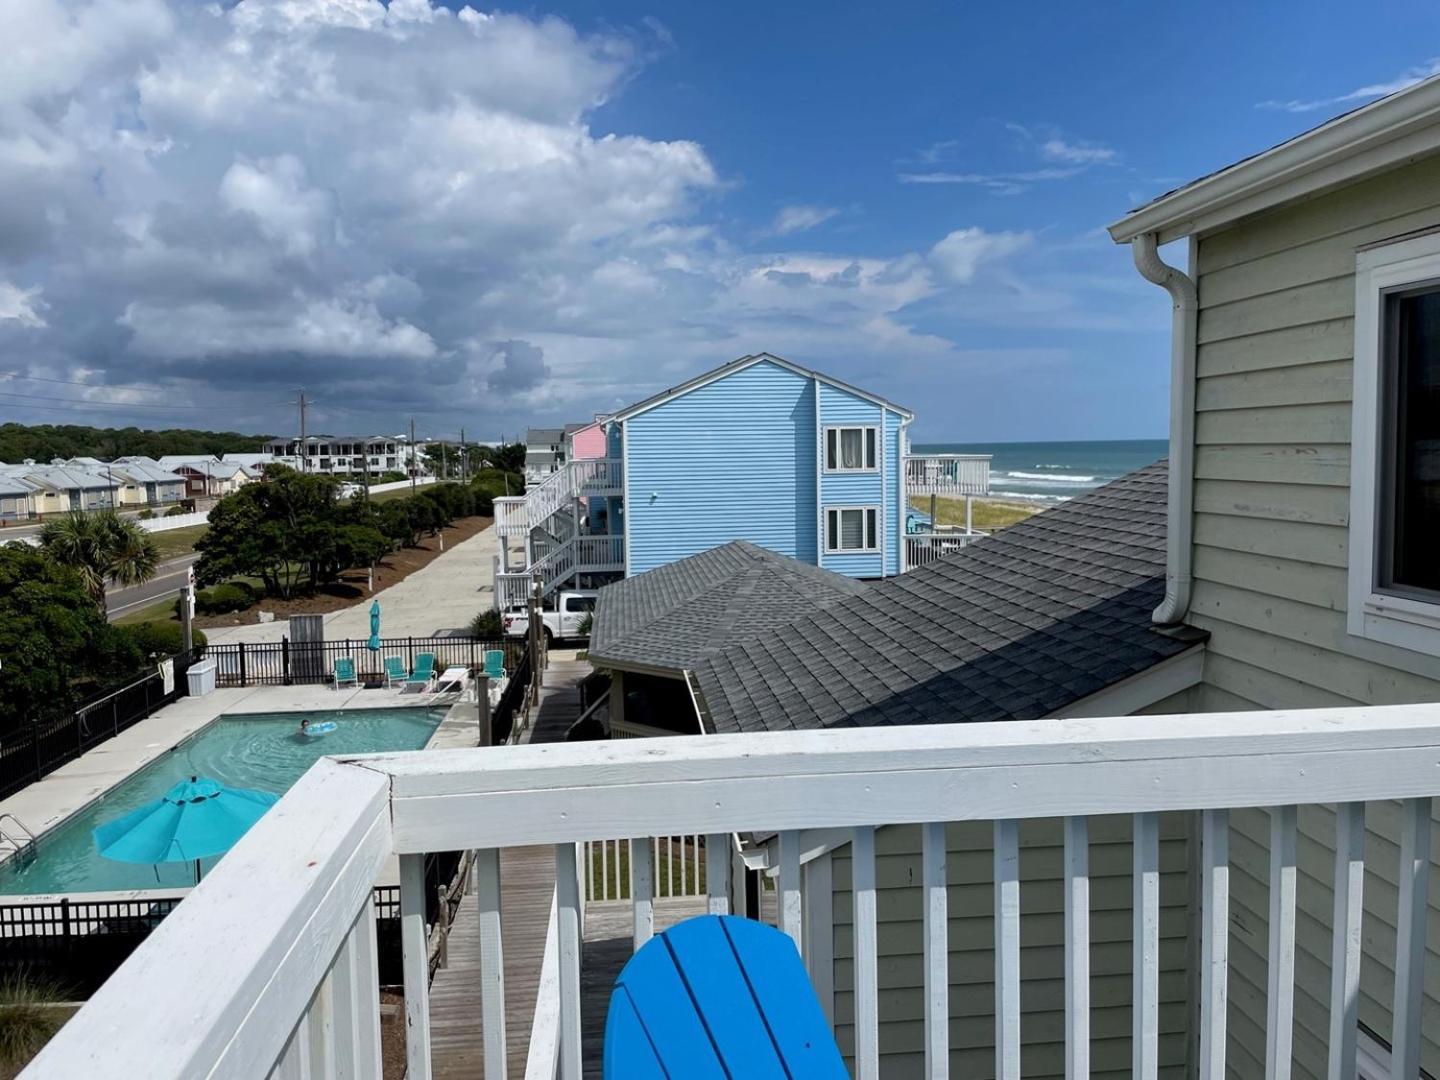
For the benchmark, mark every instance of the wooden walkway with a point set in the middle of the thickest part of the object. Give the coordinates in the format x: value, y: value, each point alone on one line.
x: 527, y: 881
x: 559, y: 704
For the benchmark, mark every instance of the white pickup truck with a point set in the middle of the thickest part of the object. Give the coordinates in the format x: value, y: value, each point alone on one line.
x: 562, y: 614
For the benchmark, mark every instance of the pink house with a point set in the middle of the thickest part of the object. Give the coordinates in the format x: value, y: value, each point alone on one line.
x: 586, y: 443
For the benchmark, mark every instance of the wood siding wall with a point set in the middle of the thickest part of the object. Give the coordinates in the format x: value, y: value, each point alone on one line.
x: 731, y: 460
x: 970, y: 876
x: 1272, y: 509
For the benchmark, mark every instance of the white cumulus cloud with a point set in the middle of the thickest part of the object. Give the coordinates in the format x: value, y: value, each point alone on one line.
x: 961, y: 253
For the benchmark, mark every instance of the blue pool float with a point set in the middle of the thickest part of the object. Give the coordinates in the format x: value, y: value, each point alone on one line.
x: 322, y: 728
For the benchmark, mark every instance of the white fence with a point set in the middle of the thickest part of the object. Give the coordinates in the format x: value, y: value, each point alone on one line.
x: 922, y: 549
x: 270, y: 962
x: 678, y: 861
x: 178, y: 521
x: 947, y: 474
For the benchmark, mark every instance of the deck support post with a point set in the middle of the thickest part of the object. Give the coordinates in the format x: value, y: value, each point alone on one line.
x: 416, y: 965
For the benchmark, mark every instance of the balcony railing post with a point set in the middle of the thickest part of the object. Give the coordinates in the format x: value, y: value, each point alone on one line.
x: 492, y: 960
x: 567, y: 911
x: 416, y: 964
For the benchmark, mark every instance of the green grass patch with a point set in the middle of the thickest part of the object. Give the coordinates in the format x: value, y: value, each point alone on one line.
x: 986, y: 514
x: 174, y: 543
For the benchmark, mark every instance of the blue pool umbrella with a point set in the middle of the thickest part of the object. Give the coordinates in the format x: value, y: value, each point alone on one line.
x: 374, y: 643
x: 195, y: 819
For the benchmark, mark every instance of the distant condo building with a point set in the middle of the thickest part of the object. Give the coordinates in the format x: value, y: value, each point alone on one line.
x: 350, y: 455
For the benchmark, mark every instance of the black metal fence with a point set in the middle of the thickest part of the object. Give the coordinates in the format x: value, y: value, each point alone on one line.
x: 286, y: 662
x: 78, y: 944
x: 502, y: 718
x: 37, y: 748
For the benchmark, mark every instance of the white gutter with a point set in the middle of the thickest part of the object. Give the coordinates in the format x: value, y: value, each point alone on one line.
x: 1185, y: 300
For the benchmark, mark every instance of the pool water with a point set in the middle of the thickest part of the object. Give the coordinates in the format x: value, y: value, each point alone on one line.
x: 262, y: 752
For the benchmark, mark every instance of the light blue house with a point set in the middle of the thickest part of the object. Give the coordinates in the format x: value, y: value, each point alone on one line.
x: 763, y: 450
x: 759, y: 449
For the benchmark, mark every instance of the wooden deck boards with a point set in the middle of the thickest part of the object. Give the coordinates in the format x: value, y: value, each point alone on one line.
x: 527, y: 879
x: 559, y: 704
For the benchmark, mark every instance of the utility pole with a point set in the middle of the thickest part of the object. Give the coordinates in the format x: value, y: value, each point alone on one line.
x: 304, y: 458
x: 412, y: 455
x: 444, y: 461
x: 464, y: 459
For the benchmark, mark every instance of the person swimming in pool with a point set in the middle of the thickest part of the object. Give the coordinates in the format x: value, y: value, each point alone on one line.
x: 304, y: 725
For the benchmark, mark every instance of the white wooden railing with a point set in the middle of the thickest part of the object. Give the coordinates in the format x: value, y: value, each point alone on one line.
x: 268, y: 968
x: 678, y: 863
x: 581, y: 554
x: 510, y: 516
x: 581, y: 479
x: 947, y: 474
x: 924, y: 548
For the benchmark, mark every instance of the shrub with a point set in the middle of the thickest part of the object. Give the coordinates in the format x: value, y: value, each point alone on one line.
x: 26, y: 1025
x: 223, y: 599
x: 145, y: 515
x: 179, y: 511
x: 487, y: 625
x: 159, y: 637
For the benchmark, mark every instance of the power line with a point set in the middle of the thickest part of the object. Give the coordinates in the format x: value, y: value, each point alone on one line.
x: 76, y: 382
x: 92, y: 403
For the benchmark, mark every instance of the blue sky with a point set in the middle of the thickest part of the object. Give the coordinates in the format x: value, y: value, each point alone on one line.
x: 488, y: 219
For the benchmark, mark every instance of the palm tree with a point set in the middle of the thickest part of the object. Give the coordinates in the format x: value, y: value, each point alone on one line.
x: 101, y: 547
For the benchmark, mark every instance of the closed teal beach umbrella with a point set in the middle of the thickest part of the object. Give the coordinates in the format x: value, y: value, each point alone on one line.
x: 194, y: 820
x: 374, y: 643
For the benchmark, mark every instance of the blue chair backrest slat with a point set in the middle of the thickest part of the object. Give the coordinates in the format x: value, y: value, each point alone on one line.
x: 716, y: 983
x: 665, y: 1013
x: 719, y: 996
x: 642, y: 1060
x: 782, y: 989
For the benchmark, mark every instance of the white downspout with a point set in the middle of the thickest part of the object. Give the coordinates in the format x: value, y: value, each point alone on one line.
x: 1178, y: 534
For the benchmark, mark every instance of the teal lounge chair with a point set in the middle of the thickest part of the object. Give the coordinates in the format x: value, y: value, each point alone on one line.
x: 718, y: 996
x: 424, y: 669
x: 345, y: 672
x: 395, y: 671
x: 495, y: 663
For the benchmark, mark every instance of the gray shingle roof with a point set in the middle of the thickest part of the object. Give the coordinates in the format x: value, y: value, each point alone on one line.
x: 672, y: 617
x: 1013, y: 627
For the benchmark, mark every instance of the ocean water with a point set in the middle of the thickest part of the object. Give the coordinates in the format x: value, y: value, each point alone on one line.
x: 1053, y: 471
x: 253, y: 751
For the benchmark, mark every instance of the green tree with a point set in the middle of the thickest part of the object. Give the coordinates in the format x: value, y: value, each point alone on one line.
x: 280, y: 531
x: 55, y: 644
x: 101, y: 547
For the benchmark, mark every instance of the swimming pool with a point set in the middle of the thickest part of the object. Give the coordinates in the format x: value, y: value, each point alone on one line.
x: 261, y: 751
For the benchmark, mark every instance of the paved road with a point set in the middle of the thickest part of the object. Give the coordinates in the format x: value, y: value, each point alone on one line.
x: 164, y: 584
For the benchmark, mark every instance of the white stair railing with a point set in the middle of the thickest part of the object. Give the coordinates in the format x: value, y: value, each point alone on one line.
x: 581, y: 553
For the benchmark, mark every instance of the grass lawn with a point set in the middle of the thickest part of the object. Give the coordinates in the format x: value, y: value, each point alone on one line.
x: 986, y: 514
x: 161, y: 609
x: 177, y: 542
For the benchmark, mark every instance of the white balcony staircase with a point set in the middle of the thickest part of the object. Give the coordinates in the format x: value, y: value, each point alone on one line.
x: 545, y: 517
x: 579, y: 555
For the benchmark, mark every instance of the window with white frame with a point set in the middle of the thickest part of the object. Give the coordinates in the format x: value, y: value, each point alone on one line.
x: 851, y: 449
x: 1394, y: 574
x: 852, y: 529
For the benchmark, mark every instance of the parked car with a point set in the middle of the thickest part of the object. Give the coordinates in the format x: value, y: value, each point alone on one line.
x: 562, y: 614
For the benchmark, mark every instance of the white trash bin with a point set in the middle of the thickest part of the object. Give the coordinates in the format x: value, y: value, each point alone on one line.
x: 201, y: 677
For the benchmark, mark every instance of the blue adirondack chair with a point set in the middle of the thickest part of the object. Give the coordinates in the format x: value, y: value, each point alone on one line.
x: 718, y: 996
x: 495, y: 663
